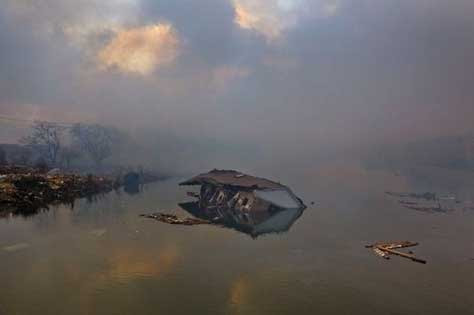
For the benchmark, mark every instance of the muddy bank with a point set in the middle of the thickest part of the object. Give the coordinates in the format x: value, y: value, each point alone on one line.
x: 27, y: 190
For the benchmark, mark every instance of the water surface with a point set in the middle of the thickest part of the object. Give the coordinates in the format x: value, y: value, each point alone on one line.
x: 102, y: 258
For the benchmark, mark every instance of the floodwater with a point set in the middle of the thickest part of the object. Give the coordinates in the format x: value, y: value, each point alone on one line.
x: 102, y: 258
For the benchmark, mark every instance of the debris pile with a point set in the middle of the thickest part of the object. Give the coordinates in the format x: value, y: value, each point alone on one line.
x: 25, y: 190
x: 173, y: 219
x: 385, y: 249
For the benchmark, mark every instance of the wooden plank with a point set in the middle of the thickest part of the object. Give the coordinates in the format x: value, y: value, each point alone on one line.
x: 394, y: 252
x: 381, y: 253
x: 393, y: 244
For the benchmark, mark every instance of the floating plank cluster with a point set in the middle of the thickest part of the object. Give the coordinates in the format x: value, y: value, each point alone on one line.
x: 172, y: 219
x: 385, y: 249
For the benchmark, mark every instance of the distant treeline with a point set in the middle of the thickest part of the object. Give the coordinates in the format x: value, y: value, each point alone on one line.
x: 53, y: 145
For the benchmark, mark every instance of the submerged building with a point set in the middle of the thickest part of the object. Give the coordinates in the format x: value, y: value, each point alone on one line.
x: 247, y: 203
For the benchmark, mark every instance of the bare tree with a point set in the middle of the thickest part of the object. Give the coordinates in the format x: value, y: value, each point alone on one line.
x: 95, y: 140
x: 46, y: 138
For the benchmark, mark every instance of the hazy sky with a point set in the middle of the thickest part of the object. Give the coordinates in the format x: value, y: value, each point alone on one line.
x: 293, y: 74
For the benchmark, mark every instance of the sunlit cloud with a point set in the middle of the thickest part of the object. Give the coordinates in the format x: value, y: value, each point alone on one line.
x: 271, y: 18
x: 264, y: 17
x: 141, y: 50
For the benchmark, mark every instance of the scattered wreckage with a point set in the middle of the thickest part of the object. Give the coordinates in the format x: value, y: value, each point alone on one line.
x: 173, y: 219
x: 385, y: 249
x: 246, y: 203
x: 431, y: 202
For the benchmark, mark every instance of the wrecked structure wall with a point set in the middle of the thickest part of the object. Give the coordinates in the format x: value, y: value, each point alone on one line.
x: 241, y: 206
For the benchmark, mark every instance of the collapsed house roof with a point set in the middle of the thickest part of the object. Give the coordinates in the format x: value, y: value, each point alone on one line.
x: 246, y: 203
x: 234, y: 179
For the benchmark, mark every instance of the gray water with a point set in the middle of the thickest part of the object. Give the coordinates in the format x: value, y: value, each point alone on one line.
x: 102, y: 258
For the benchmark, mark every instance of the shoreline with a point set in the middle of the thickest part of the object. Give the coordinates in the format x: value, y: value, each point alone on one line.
x: 26, y: 190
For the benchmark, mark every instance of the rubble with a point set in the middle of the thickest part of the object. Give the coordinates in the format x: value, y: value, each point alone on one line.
x: 26, y: 190
x: 385, y: 249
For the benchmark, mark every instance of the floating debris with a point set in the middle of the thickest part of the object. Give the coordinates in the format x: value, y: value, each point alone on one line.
x: 385, y: 249
x: 425, y: 196
x: 173, y: 219
x: 16, y: 247
x: 427, y: 202
x: 381, y: 253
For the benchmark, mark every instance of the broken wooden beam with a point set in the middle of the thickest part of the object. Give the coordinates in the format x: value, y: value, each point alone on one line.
x: 381, y: 253
x: 395, y: 252
x: 393, y: 244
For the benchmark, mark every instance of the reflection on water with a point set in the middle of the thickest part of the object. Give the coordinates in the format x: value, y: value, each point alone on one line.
x: 102, y: 258
x: 132, y: 188
x: 254, y: 223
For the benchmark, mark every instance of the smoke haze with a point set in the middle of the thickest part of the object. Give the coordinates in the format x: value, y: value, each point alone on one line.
x: 259, y: 78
